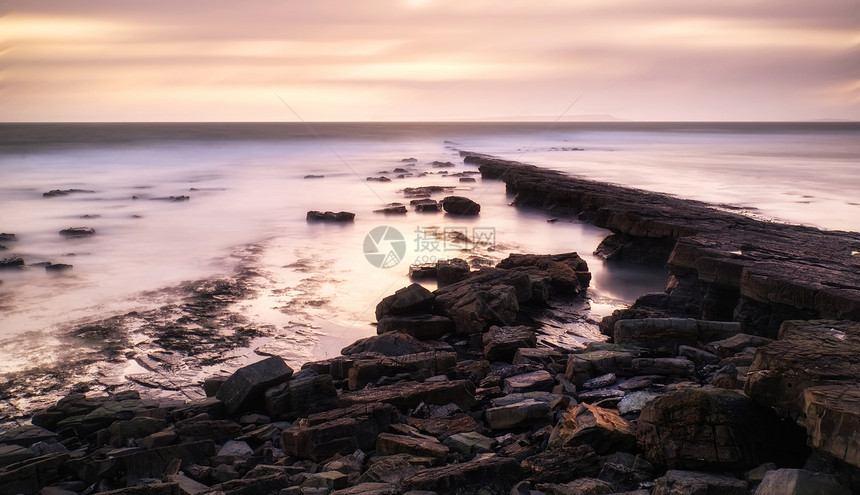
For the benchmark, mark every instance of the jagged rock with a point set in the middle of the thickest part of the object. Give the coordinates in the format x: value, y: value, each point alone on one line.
x: 64, y: 192
x: 600, y: 381
x: 406, y: 395
x: 333, y: 480
x: 138, y: 464
x: 533, y: 381
x: 310, y: 394
x: 340, y: 431
x: 388, y: 444
x: 663, y: 366
x: 78, y: 232
x: 485, y: 470
x: 519, y: 414
x: 699, y: 483
x: 422, y: 327
x: 10, y: 454
x: 459, y: 205
x: 625, y: 471
x: 581, y: 486
x: 122, y: 431
x: 833, y: 420
x: 710, y: 429
x: 390, y: 344
x: 470, y: 442
x: 330, y: 216
x: 393, y: 209
x: 26, y: 435
x: 370, y: 488
x: 158, y: 439
x: 602, y: 429
x: 244, y: 389
x: 413, y: 299
x: 444, y: 426
x: 501, y: 343
x: 452, y: 270
x: 735, y: 344
x: 800, y: 482
x: 562, y: 464
x: 216, y: 429
x: 58, y: 267
x: 635, y: 401
x: 13, y: 262
x: 697, y: 355
x: 583, y: 367
x: 661, y: 336
x: 428, y: 363
x: 186, y: 485
x: 567, y: 272
x: 807, y: 354
x: 482, y: 300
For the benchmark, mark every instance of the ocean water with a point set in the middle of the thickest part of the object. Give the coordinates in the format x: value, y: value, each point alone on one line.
x: 313, y: 286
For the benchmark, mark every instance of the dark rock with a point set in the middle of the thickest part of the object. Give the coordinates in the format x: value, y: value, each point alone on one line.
x: 311, y: 176
x: 426, y: 205
x: 330, y: 216
x: 244, y: 389
x: 481, y: 300
x: 424, y: 271
x: 800, y: 482
x: 422, y: 327
x: 395, y: 209
x: 625, y: 471
x: 600, y: 381
x: 438, y: 164
x: 388, y: 444
x: 501, y: 343
x: 833, y: 420
x: 661, y: 336
x: 57, y: 267
x: 459, y: 205
x: 391, y: 344
x: 532, y: 381
x: 485, y: 470
x: 567, y: 273
x: 5, y: 237
x: 470, y: 442
x: 425, y: 191
x: 310, y: 394
x: 441, y: 427
x: 64, y: 192
x: 663, y: 366
x: 699, y: 483
x: 135, y: 465
x: 340, y: 431
x: 215, y: 429
x: 122, y: 431
x: 406, y: 395
x: 467, y: 179
x: 30, y: 475
x: 10, y: 454
x: 559, y: 465
x: 697, y: 355
x: 26, y: 435
x: 524, y: 413
x: 735, y: 344
x: 78, y: 232
x: 426, y: 363
x: 585, y: 366
x: 709, y: 429
x: 581, y: 486
x: 379, y: 179
x: 408, y: 300
x: 452, y: 270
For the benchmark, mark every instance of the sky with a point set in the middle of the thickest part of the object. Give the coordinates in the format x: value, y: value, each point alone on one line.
x: 429, y: 60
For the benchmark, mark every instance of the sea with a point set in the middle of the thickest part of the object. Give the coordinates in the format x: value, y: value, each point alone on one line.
x: 176, y: 203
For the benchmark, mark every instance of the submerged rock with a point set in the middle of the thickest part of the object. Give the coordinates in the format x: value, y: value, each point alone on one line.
x: 64, y: 192
x: 460, y: 205
x: 78, y: 232
x: 330, y: 216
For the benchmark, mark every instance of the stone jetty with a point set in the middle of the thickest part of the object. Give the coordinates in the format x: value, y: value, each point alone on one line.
x: 741, y: 377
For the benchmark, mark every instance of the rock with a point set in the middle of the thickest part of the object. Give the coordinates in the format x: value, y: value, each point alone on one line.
x: 389, y: 344
x: 602, y: 429
x: 328, y: 479
x: 452, y: 270
x: 807, y: 354
x: 542, y: 356
x: 833, y: 420
x: 523, y: 413
x: 698, y: 483
x: 78, y: 232
x: 625, y: 471
x: 310, y: 394
x: 388, y: 444
x: 539, y: 380
x: 635, y: 401
x: 422, y: 327
x: 663, y: 366
x: 158, y: 439
x: 26, y: 435
x: 425, y: 271
x: 661, y: 336
x: 426, y: 205
x: 501, y: 343
x: 561, y: 464
x: 236, y: 449
x: 583, y: 367
x: 800, y: 482
x: 10, y: 454
x: 698, y: 356
x: 438, y: 164
x: 581, y: 486
x: 406, y: 395
x: 141, y: 464
x: 172, y: 199
x: 6, y: 237
x: 467, y: 179
x: 63, y: 192
x: 425, y: 363
x: 485, y: 470
x: 393, y: 209
x: 600, y: 381
x: 408, y: 300
x: 470, y: 442
x: 186, y: 485
x: 459, y: 205
x: 379, y: 179
x: 14, y: 262
x: 369, y: 488
x: 215, y: 429
x: 445, y: 426
x: 311, y: 176
x: 709, y: 429
x: 57, y: 267
x: 735, y: 344
x: 473, y: 305
x: 330, y: 216
x: 122, y: 431
x: 566, y: 273
x: 245, y: 388
x: 340, y: 431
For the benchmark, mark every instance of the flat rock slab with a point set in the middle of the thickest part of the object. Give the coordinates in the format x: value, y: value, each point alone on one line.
x: 388, y: 444
x: 698, y: 483
x: 533, y: 381
x: 422, y: 327
x: 602, y: 429
x: 245, y: 387
x: 406, y: 395
x: 502, y: 343
x: 833, y: 420
x: 807, y: 354
x: 485, y: 470
x: 800, y: 482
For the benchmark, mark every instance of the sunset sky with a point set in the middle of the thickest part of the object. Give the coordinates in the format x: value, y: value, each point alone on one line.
x: 110, y: 60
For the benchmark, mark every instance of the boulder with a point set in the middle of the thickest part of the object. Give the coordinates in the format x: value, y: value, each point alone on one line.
x: 422, y: 327
x: 390, y: 344
x: 330, y: 216
x: 392, y: 209
x: 800, y: 482
x: 474, y: 306
x: 567, y: 272
x: 735, y: 344
x: 488, y: 470
x: 452, y: 270
x: 559, y: 465
x: 711, y: 429
x: 807, y: 354
x: 660, y: 336
x: 501, y: 343
x: 413, y: 299
x: 12, y: 262
x: 459, y: 205
x: 519, y: 414
x: 78, y: 232
x: 602, y: 429
x: 26, y: 435
x: 388, y: 444
x: 6, y: 237
x: 532, y: 381
x: 406, y: 395
x: 470, y: 442
x: 698, y: 483
x: 426, y: 205
x: 244, y: 389
x: 426, y: 364
x: 582, y: 367
x: 663, y: 366
x: 833, y: 420
x: 57, y: 267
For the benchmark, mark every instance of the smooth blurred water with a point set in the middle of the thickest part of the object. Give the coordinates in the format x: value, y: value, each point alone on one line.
x: 249, y: 190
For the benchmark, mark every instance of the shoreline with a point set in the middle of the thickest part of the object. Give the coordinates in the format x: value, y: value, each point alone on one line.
x: 464, y: 359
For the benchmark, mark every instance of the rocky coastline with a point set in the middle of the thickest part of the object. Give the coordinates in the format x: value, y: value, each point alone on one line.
x: 742, y: 377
